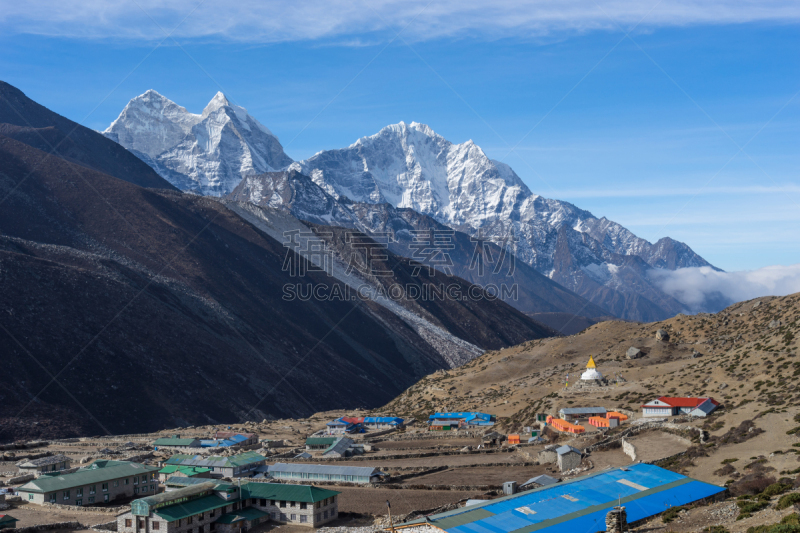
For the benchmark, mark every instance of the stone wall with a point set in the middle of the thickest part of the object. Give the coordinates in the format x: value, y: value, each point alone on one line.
x: 20, y: 479
x: 47, y: 527
x: 629, y: 449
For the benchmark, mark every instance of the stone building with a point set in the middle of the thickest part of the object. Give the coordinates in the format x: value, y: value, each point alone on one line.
x: 102, y: 482
x: 568, y: 458
x: 52, y: 463
x: 240, y: 465
x: 226, y: 508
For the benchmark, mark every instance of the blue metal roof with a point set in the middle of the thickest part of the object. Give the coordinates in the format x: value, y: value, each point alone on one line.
x: 382, y: 420
x: 580, y: 504
x: 465, y: 415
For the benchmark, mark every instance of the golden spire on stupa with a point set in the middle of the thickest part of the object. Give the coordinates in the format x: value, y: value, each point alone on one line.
x: 591, y: 363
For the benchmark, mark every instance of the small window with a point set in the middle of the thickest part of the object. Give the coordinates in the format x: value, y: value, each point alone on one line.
x: 283, y: 517
x: 91, y: 499
x: 213, y: 512
x: 294, y: 517
x: 30, y: 496
x: 78, y: 502
x: 325, y: 514
x: 189, y: 520
x: 303, y: 505
x: 141, y: 524
x: 128, y: 522
x: 156, y: 526
x: 105, y: 497
x: 263, y: 503
x: 303, y: 519
x: 116, y: 483
x: 105, y: 487
x: 66, y: 495
x: 126, y: 481
x: 79, y: 492
x: 283, y: 505
x: 144, y: 489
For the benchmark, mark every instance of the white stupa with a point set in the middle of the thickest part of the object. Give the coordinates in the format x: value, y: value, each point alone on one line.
x: 592, y: 377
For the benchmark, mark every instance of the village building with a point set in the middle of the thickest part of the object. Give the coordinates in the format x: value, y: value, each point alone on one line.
x: 670, y: 406
x: 307, y: 472
x: 42, y: 465
x: 7, y: 521
x: 339, y: 427
x: 571, y: 414
x: 383, y: 422
x: 574, y: 505
x: 103, y: 482
x: 319, y: 443
x: 568, y: 458
x: 227, y: 508
x: 242, y: 439
x: 341, y: 447
x: 539, y: 481
x: 176, y: 441
x: 493, y: 438
x: 449, y: 421
x: 240, y: 465
x: 183, y: 471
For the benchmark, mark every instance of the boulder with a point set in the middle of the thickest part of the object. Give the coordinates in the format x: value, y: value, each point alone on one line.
x: 662, y: 335
x: 633, y: 353
x: 775, y: 324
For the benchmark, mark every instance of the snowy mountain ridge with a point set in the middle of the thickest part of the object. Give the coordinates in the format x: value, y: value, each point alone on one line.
x: 407, y: 166
x: 207, y: 153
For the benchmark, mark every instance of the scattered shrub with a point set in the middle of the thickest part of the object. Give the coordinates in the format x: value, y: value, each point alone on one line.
x: 788, y: 500
x: 671, y: 514
x: 775, y: 489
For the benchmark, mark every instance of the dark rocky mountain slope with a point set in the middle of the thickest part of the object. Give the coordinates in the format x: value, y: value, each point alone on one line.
x: 33, y: 124
x: 126, y: 309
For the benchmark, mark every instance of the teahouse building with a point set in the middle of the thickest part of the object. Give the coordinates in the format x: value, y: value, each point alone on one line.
x: 102, y: 482
x: 226, y: 508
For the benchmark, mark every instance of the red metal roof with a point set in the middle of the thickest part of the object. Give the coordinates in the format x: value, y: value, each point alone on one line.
x: 684, y: 402
x: 353, y: 419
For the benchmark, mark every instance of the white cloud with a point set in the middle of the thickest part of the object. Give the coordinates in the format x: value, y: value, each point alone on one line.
x: 275, y: 21
x: 705, y: 289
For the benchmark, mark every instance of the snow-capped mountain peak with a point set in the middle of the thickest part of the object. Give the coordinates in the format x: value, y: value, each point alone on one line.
x: 208, y: 153
x: 218, y: 101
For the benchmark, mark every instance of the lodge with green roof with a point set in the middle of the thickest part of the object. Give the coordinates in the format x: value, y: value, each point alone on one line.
x: 213, y: 506
x: 183, y: 471
x: 102, y: 482
x: 239, y: 465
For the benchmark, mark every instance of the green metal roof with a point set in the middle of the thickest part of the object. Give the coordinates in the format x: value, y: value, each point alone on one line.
x: 248, y: 513
x: 285, y: 492
x: 188, y: 470
x: 85, y: 477
x: 8, y: 519
x: 241, y: 459
x: 171, y: 441
x: 320, y: 441
x: 191, y: 508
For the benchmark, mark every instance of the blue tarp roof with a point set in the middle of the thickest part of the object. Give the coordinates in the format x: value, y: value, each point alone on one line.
x: 382, y: 420
x: 580, y: 504
x: 465, y: 415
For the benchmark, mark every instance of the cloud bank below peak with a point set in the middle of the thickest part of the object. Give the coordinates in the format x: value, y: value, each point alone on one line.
x: 279, y: 21
x: 705, y: 289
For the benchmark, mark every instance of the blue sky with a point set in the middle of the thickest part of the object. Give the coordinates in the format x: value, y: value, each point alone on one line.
x: 688, y: 127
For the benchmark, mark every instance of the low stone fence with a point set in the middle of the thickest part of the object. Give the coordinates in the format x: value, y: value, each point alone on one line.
x: 24, y: 445
x: 107, y: 526
x: 47, y: 527
x: 434, y: 435
x: 21, y: 479
x: 405, y: 456
x: 85, y: 508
